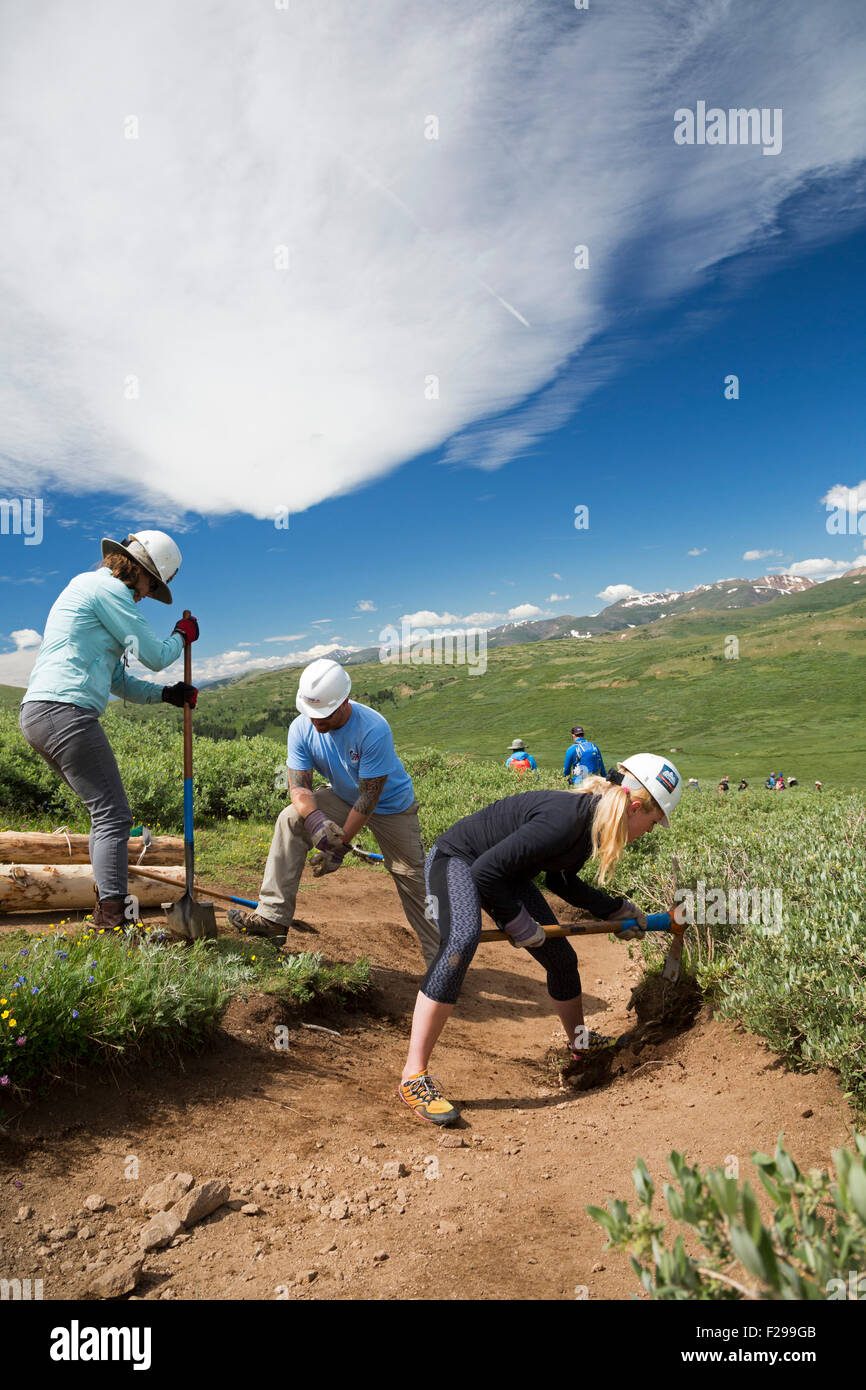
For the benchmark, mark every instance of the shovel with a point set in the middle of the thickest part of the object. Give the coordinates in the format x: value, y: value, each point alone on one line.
x: 186, y: 917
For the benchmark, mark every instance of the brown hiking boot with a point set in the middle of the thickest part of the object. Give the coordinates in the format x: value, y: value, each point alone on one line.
x: 250, y: 924
x: 110, y: 913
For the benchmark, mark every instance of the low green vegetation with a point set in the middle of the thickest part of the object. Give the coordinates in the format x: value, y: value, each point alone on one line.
x: 87, y: 995
x: 813, y: 1247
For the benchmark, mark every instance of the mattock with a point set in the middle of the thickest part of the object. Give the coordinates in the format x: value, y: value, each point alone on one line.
x: 673, y: 959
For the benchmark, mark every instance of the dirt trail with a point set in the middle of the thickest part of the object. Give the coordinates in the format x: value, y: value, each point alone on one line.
x: 304, y: 1135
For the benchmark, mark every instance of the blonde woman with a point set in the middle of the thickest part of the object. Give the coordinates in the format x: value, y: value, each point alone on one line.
x: 490, y: 859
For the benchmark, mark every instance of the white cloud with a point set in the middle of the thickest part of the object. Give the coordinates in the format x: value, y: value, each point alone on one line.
x: 759, y: 554
x: 556, y: 576
x: 427, y: 617
x: 24, y: 637
x: 15, y: 667
x: 614, y: 592
x: 366, y: 605
x: 557, y: 598
x: 699, y: 550
x: 262, y: 128
x: 239, y: 662
x: 292, y: 637
x: 320, y: 622
x: 846, y: 497
x: 818, y: 569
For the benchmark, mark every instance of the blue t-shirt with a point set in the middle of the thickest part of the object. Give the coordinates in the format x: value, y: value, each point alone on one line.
x: 364, y: 747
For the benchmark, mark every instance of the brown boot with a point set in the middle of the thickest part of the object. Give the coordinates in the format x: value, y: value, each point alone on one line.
x: 250, y: 924
x: 110, y: 913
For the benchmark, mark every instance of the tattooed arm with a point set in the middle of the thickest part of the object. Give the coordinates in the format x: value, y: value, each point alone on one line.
x: 369, y: 792
x: 301, y: 788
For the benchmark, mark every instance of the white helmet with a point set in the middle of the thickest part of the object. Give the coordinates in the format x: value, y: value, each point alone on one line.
x: 155, y: 552
x: 323, y: 688
x: 657, y: 776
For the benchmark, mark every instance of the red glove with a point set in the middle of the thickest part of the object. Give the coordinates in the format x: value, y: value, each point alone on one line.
x: 188, y: 629
x: 180, y: 695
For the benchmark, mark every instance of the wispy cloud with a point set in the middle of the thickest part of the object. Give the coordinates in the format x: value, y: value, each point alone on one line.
x: 406, y: 258
x: 558, y: 598
x: 759, y: 554
x: 366, y: 605
x: 698, y: 550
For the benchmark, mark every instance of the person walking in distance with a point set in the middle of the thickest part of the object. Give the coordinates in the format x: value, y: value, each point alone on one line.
x: 90, y: 630
x: 582, y: 759
x: 352, y: 746
x: 520, y: 761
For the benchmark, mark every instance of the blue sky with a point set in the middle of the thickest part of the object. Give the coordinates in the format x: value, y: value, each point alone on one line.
x: 554, y: 390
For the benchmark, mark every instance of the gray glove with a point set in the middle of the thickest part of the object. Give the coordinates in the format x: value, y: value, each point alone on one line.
x: 327, y: 861
x: 628, y: 909
x: 524, y: 931
x: 325, y: 834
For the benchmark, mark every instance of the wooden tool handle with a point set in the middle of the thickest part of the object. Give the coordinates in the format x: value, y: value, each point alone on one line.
x: 160, y: 878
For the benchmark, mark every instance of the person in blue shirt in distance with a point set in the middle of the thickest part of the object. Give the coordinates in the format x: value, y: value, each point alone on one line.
x: 582, y: 759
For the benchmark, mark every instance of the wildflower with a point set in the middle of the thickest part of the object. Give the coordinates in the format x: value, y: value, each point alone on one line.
x: 25, y: 951
x: 5, y: 1013
x: 4, y: 1080
x: 13, y: 1023
x: 90, y: 979
x: 35, y: 989
x: 2, y: 1001
x: 20, y: 1041
x: 74, y: 1013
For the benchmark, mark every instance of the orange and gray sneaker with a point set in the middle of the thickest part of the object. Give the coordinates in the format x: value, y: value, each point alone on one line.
x: 423, y: 1096
x: 595, y: 1043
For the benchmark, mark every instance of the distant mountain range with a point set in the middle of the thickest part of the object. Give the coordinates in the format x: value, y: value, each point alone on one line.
x: 626, y: 612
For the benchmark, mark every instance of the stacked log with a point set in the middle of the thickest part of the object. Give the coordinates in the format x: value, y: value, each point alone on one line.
x: 40, y: 872
x: 34, y: 847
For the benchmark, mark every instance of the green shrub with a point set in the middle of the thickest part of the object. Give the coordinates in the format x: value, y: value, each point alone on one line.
x: 811, y: 1247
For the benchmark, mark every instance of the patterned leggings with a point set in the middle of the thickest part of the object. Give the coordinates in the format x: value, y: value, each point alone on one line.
x: 453, y: 902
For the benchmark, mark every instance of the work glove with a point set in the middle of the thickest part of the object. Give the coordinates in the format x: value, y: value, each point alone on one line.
x: 180, y: 695
x: 629, y: 909
x: 522, y: 930
x: 325, y: 834
x: 327, y: 861
x: 188, y: 629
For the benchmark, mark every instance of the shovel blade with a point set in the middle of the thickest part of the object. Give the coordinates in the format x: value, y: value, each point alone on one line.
x: 673, y: 961
x: 190, y: 919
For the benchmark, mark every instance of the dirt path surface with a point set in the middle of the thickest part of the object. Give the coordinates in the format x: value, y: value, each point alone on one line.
x: 350, y: 1196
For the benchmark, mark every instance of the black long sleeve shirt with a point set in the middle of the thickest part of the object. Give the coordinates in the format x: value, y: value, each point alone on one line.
x: 515, y: 839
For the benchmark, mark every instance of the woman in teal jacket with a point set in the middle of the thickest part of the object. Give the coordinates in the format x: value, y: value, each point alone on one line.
x: 89, y: 633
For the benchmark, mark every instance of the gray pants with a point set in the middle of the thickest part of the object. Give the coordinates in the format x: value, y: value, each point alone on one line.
x: 74, y: 745
x: 398, y: 837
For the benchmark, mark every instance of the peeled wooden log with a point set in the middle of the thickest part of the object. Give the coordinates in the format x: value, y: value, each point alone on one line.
x: 69, y: 887
x: 36, y: 847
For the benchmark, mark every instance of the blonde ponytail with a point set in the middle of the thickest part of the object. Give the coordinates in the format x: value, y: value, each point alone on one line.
x: 610, y: 822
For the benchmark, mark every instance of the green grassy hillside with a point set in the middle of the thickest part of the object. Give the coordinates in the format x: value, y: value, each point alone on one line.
x: 792, y: 700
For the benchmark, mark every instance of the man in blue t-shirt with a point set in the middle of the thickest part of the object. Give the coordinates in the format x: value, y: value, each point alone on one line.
x: 582, y: 759
x: 351, y: 746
